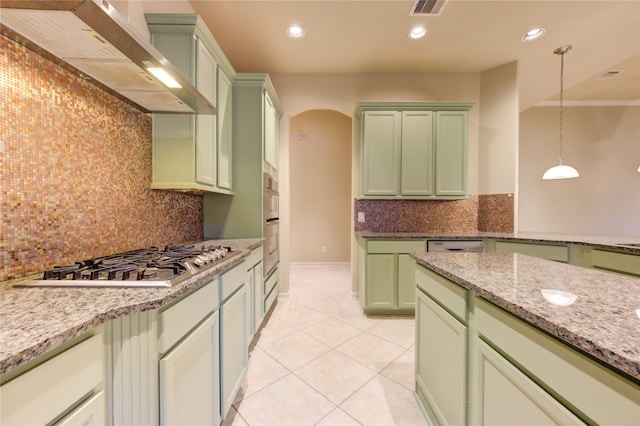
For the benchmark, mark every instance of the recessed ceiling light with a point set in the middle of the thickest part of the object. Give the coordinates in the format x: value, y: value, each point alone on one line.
x: 295, y: 31
x: 533, y: 34
x: 417, y: 32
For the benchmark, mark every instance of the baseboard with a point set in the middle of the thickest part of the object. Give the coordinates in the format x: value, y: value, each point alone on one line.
x: 320, y: 263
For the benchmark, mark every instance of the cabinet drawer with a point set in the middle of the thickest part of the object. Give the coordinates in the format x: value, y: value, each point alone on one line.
x: 176, y: 320
x: 90, y: 413
x: 396, y: 246
x: 232, y: 280
x: 619, y: 262
x: 600, y: 394
x: 271, y: 298
x: 48, y: 390
x: 270, y: 283
x: 544, y: 251
x: 448, y: 294
x: 254, y: 258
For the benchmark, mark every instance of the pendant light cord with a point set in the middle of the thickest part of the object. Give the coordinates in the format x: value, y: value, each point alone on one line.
x: 561, y: 111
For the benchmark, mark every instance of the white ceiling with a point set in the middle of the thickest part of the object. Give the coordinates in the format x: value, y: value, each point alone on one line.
x: 370, y: 36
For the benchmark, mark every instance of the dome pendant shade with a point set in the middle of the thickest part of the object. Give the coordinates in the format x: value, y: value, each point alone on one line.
x: 561, y: 171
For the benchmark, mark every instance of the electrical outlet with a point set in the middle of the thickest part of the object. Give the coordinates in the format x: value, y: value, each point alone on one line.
x: 323, y: 249
x: 361, y: 217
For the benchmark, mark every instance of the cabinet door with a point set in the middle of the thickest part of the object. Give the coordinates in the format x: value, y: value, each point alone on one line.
x: 441, y: 362
x: 224, y: 118
x: 258, y: 301
x: 270, y: 153
x: 381, y: 281
x: 381, y: 153
x: 234, y: 355
x: 189, y: 378
x: 508, y: 397
x: 206, y: 124
x: 451, y: 153
x: 406, y: 282
x: 417, y: 153
x: 89, y: 413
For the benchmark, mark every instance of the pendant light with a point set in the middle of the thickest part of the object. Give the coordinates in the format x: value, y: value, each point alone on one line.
x: 561, y: 171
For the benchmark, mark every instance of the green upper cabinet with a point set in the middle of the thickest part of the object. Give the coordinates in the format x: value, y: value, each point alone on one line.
x: 193, y: 152
x: 451, y: 153
x: 413, y: 150
x: 271, y: 146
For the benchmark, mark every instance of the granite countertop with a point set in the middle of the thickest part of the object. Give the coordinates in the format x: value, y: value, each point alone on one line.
x: 606, y: 242
x: 35, y: 320
x: 604, y: 320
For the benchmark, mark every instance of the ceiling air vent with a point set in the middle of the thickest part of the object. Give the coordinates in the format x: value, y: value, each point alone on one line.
x: 608, y: 75
x: 427, y: 7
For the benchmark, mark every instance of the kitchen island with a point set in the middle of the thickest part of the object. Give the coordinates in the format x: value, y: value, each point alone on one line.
x: 504, y: 337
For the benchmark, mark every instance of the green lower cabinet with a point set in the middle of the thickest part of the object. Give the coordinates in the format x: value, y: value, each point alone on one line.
x: 381, y: 273
x: 543, y: 251
x: 388, y: 285
x: 477, y: 364
x: 441, y: 359
x: 508, y: 397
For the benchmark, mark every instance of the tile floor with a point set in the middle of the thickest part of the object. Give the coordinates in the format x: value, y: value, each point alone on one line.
x: 319, y: 361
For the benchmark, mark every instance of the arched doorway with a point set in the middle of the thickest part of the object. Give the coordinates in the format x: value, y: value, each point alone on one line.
x: 320, y: 187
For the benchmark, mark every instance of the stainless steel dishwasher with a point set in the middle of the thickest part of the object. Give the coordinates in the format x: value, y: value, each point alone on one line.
x: 455, y: 246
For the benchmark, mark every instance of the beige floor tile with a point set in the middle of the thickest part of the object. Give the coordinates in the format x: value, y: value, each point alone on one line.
x: 273, y: 330
x: 402, y: 370
x: 384, y: 402
x: 398, y: 331
x: 297, y: 315
x: 337, y: 355
x: 295, y: 350
x: 338, y: 418
x: 261, y: 372
x: 288, y: 401
x: 353, y: 316
x: 329, y: 305
x: 233, y: 419
x: 332, y: 332
x: 335, y: 375
x: 372, y: 351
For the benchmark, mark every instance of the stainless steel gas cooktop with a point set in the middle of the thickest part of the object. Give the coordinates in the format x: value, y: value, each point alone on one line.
x: 149, y: 267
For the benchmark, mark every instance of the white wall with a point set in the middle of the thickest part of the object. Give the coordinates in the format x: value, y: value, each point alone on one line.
x: 603, y: 144
x: 498, y: 150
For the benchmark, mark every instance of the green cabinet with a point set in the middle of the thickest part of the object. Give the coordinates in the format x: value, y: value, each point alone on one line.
x: 387, y: 282
x: 559, y: 253
x: 271, y: 120
x: 256, y: 115
x: 509, y: 396
x: 67, y: 382
x: 478, y: 364
x: 413, y: 150
x: 193, y: 152
x: 188, y: 394
x: 441, y: 358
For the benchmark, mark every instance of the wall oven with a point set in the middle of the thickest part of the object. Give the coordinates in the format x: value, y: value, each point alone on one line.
x: 271, y: 224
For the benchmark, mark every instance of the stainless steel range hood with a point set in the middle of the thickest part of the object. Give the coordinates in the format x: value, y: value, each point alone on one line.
x: 92, y: 37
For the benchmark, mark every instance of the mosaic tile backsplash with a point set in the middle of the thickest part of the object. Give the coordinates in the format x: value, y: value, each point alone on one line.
x: 75, y: 170
x: 485, y: 213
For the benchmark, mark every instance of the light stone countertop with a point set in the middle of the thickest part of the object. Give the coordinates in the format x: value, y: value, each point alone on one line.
x: 34, y: 320
x: 604, y: 321
x: 597, y: 241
